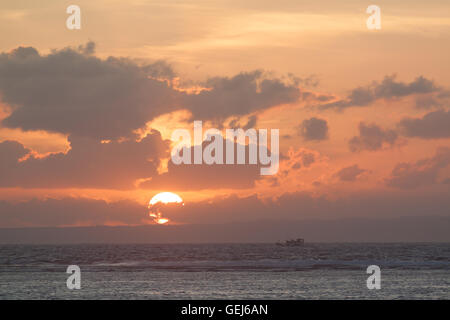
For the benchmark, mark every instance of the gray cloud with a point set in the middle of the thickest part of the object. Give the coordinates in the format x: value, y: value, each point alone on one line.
x: 350, y: 173
x: 427, y: 102
x: 206, y: 176
x: 88, y: 164
x: 118, y: 165
x: 433, y: 125
x: 308, y: 159
x: 421, y: 173
x: 230, y: 209
x: 313, y: 129
x: 71, y: 91
x: 438, y: 99
x: 302, y: 205
x: 389, y: 88
x: 239, y: 95
x: 301, y: 158
x: 372, y: 137
x: 70, y: 211
x: 251, y: 123
x: 88, y: 48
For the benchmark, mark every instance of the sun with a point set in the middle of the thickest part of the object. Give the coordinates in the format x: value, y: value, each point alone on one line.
x: 165, y: 197
x: 157, y: 204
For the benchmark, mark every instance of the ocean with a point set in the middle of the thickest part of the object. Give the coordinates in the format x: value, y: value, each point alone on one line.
x: 226, y: 271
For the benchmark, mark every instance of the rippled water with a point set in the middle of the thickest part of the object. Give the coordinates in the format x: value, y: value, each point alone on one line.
x: 233, y: 271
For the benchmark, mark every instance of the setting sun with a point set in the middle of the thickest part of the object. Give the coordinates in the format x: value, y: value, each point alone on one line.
x: 157, y: 203
x: 197, y: 150
x: 165, y: 197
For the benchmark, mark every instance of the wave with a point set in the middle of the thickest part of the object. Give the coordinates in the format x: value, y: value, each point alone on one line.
x: 217, y: 266
x: 227, y: 257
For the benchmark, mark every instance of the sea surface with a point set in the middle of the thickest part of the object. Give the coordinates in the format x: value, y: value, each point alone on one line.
x: 225, y: 271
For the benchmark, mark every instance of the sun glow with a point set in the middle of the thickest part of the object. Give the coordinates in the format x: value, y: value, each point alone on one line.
x: 158, y: 202
x: 162, y: 221
x: 165, y: 197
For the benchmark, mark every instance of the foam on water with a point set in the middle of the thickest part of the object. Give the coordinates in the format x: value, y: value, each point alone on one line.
x: 226, y: 257
x: 226, y: 271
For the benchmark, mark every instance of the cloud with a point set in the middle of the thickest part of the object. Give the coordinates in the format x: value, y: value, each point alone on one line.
x: 10, y: 153
x: 73, y: 92
x: 300, y: 158
x: 427, y: 102
x: 313, y: 129
x: 433, y: 125
x: 70, y: 212
x: 203, y: 176
x: 389, y: 88
x: 123, y: 164
x: 350, y: 173
x: 421, y: 173
x: 242, y: 94
x: 372, y: 137
x: 88, y: 48
x: 88, y: 164
x: 293, y: 206
x: 251, y: 123
x: 206, y: 176
x: 303, y: 205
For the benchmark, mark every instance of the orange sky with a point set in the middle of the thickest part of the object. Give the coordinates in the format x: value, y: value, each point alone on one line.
x: 393, y: 141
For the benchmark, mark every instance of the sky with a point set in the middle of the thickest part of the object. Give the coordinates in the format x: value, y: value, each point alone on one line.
x: 86, y: 116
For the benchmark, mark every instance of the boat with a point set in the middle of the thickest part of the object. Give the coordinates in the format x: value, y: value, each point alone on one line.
x: 292, y: 243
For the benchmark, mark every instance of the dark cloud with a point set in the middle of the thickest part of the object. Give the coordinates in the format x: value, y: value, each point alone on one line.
x: 70, y: 211
x: 296, y: 206
x: 88, y: 48
x: 10, y: 153
x: 301, y: 158
x: 302, y: 205
x: 71, y: 91
x: 308, y: 159
x: 372, y: 137
x: 296, y: 165
x: 203, y: 176
x: 350, y: 173
x: 120, y: 165
x: 88, y: 164
x: 308, y: 81
x: 433, y: 125
x: 251, y: 123
x: 239, y: 95
x: 421, y: 173
x: 313, y: 129
x: 427, y: 102
x: 206, y: 176
x: 389, y: 88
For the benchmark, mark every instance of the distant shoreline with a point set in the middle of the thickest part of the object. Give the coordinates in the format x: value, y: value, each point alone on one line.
x: 405, y: 229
